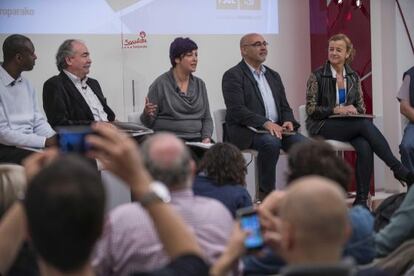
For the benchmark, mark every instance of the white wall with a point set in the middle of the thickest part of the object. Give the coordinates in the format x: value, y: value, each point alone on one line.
x: 115, y: 68
x: 391, y: 56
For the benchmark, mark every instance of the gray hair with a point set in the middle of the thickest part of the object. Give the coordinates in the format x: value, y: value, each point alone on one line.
x: 65, y: 50
x: 174, y: 175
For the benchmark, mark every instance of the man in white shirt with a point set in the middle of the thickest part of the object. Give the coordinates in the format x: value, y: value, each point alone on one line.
x: 22, y: 124
x: 72, y: 98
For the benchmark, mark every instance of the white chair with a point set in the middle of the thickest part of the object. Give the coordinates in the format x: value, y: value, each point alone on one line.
x: 219, y: 117
x: 336, y: 145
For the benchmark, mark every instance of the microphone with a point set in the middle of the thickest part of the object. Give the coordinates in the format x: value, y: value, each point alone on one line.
x: 84, y: 87
x: 13, y: 83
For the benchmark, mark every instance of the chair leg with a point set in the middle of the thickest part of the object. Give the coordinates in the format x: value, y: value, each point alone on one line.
x: 256, y: 179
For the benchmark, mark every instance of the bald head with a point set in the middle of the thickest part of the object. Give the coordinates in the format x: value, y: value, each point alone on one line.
x: 253, y: 49
x: 316, y: 212
x: 168, y: 160
x: 249, y: 37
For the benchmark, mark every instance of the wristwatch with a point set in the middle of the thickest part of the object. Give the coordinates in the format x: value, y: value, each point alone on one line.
x: 158, y: 193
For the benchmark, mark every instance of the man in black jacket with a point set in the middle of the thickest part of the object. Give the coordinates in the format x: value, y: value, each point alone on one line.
x: 71, y: 98
x: 254, y: 96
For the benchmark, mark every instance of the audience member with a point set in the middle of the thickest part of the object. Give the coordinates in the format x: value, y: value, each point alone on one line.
x: 318, y: 158
x: 12, y: 187
x: 317, y: 238
x: 254, y: 96
x: 129, y: 242
x: 406, y: 99
x: 22, y: 124
x: 177, y: 100
x: 222, y: 176
x: 335, y: 89
x: 65, y: 206
x: 314, y: 242
x: 309, y: 230
x: 66, y: 252
x: 73, y: 98
x: 399, y: 229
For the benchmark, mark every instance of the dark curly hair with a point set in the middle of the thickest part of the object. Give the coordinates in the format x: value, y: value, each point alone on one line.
x: 224, y: 163
x: 317, y: 158
x: 179, y: 47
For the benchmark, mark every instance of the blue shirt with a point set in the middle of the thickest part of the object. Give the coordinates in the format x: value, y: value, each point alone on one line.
x: 266, y: 92
x: 232, y: 196
x: 21, y: 122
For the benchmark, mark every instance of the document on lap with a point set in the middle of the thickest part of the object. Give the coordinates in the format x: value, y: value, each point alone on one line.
x: 352, y: 116
x: 133, y: 129
x: 199, y: 145
x: 264, y: 131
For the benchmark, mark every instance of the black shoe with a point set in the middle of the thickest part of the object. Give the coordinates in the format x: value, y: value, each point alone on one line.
x: 361, y: 202
x: 403, y: 175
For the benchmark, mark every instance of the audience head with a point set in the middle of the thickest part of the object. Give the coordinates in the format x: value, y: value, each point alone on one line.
x: 342, y: 41
x: 179, y: 48
x: 73, y: 56
x: 65, y: 205
x: 168, y: 160
x: 12, y: 185
x: 253, y: 48
x: 317, y: 158
x: 225, y: 164
x: 19, y: 49
x: 314, y: 219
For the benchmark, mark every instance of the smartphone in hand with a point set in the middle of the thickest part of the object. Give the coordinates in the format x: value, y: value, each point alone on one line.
x: 71, y: 139
x: 250, y: 222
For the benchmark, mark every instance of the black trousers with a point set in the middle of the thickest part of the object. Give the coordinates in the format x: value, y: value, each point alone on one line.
x: 365, y: 137
x: 11, y: 154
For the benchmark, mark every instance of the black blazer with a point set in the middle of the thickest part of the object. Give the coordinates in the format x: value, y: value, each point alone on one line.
x: 245, y: 105
x: 64, y: 105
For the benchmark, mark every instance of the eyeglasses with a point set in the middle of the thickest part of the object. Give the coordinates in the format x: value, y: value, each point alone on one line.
x: 258, y: 44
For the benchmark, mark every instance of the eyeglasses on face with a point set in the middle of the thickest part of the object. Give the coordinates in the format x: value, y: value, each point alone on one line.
x: 258, y: 44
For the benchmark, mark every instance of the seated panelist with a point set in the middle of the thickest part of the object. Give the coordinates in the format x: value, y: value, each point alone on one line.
x: 335, y: 89
x: 22, y: 124
x: 72, y: 98
x: 255, y: 96
x: 177, y: 100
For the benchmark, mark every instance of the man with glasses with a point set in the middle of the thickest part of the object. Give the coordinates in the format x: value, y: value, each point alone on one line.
x: 255, y: 97
x: 72, y: 98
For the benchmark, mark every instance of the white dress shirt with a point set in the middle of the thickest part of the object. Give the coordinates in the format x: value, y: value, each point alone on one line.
x: 90, y: 97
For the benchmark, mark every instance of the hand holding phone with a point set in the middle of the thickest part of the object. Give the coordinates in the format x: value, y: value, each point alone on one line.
x: 250, y: 222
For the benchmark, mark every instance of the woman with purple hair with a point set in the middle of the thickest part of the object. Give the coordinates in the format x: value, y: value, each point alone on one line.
x: 177, y: 100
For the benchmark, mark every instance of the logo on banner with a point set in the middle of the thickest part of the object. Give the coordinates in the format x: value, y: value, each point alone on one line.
x: 238, y: 4
x: 138, y: 42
